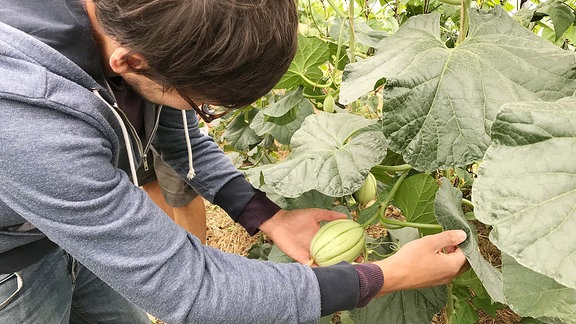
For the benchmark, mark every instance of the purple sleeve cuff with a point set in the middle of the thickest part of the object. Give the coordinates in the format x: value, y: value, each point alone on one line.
x: 258, y: 210
x: 371, y: 281
x: 245, y: 204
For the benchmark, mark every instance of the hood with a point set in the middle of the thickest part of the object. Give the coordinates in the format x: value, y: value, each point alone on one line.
x: 61, y: 24
x: 21, y: 54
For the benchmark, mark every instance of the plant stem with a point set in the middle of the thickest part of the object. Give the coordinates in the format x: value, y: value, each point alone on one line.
x: 311, y: 96
x: 314, y: 84
x: 382, y: 205
x: 311, y: 15
x: 351, y: 41
x: 449, y: 305
x: 467, y: 203
x: 393, y: 168
x: 392, y: 192
x: 388, y: 221
x: 464, y: 19
x: 336, y: 9
x: 338, y: 50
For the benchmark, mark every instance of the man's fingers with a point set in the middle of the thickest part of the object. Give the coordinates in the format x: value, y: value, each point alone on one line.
x: 329, y: 215
x: 448, y: 238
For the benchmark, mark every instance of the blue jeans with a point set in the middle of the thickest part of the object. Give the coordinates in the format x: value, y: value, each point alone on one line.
x: 57, y: 289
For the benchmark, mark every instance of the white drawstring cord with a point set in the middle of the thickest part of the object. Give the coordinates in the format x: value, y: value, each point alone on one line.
x: 126, y: 139
x: 191, y: 172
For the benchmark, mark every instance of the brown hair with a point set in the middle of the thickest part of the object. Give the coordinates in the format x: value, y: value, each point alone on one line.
x: 231, y: 52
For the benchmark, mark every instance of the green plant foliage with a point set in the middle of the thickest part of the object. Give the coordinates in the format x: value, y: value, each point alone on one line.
x: 468, y: 289
x: 403, y: 307
x: 310, y: 199
x: 238, y: 132
x: 439, y: 103
x: 415, y: 197
x: 465, y: 314
x: 331, y: 153
x: 276, y: 255
x: 423, y: 98
x: 535, y: 295
x: 282, y: 118
x: 365, y: 34
x: 311, y: 53
x: 450, y: 216
x: 562, y: 15
x: 367, y: 213
x: 526, y: 187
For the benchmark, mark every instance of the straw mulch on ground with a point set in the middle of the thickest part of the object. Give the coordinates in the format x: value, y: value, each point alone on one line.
x: 225, y: 235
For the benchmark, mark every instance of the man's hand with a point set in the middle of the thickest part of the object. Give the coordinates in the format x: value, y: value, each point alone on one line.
x: 293, y: 230
x: 430, y: 261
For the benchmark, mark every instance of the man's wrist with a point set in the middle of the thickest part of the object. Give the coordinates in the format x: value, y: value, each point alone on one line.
x: 393, y: 276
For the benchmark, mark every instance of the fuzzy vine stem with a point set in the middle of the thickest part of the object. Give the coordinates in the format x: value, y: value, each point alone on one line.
x: 336, y: 9
x: 393, y: 168
x: 467, y: 203
x: 464, y: 19
x: 449, y: 305
x: 352, y: 38
x: 394, y: 222
x: 338, y: 51
x: 311, y: 15
x: 382, y: 206
x: 314, y: 84
x: 311, y: 96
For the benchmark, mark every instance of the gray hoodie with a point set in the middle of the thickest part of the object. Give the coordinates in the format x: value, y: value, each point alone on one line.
x: 65, y: 176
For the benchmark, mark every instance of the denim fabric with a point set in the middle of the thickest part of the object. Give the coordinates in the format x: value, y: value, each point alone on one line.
x: 57, y: 289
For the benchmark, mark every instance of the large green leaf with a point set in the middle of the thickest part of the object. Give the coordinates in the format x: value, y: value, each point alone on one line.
x: 238, y: 132
x: 283, y: 117
x: 331, y: 153
x: 403, y: 307
x: 526, y: 187
x: 312, y: 52
x: 310, y: 199
x: 439, y: 103
x: 450, y: 215
x: 532, y: 294
x: 415, y: 197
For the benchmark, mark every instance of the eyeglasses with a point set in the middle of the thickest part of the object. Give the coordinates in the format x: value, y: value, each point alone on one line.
x: 207, y: 112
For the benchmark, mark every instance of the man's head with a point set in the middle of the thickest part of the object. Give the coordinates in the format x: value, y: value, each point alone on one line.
x: 228, y: 52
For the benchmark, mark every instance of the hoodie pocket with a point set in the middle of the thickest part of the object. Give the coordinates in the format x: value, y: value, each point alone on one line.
x: 10, y: 286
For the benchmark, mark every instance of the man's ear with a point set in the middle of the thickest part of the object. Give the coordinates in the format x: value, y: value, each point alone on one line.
x: 121, y: 62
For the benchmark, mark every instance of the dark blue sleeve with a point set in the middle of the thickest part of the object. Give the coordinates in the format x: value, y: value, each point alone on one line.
x: 246, y: 205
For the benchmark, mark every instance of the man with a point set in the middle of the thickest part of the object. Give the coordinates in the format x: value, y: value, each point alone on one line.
x: 80, y: 242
